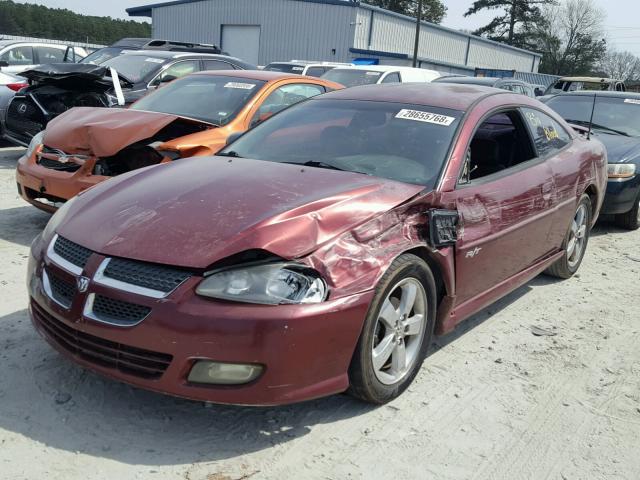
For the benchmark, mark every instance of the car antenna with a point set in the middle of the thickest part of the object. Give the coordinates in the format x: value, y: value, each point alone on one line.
x: 593, y: 109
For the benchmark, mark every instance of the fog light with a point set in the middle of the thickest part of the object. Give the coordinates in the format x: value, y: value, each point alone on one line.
x: 206, y: 371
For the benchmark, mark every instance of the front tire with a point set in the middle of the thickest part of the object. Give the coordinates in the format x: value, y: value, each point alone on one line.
x: 631, y: 219
x: 575, y: 242
x: 397, y: 332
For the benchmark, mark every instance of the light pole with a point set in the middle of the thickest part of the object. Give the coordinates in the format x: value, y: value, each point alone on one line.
x: 415, y: 47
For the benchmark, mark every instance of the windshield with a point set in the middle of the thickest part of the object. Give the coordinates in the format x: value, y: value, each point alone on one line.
x: 102, y: 55
x: 213, y: 99
x: 135, y: 68
x: 352, y: 78
x: 611, y: 115
x: 391, y: 140
x: 284, y: 67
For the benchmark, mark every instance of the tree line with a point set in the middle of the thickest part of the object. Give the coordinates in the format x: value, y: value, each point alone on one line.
x: 569, y: 34
x: 28, y: 20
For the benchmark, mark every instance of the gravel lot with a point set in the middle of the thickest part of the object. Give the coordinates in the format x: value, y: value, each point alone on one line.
x: 493, y: 401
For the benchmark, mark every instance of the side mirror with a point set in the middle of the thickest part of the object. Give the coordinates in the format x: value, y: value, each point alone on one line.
x: 233, y: 137
x: 4, y: 64
x: 167, y: 79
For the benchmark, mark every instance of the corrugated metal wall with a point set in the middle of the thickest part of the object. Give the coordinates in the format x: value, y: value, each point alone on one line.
x: 289, y: 29
x: 309, y: 30
x: 394, y: 33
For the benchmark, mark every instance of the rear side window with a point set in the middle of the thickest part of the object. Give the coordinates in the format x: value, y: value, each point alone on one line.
x: 316, y: 71
x: 393, y: 77
x: 548, y: 135
x: 18, y: 56
x: 50, y: 54
x: 217, y: 65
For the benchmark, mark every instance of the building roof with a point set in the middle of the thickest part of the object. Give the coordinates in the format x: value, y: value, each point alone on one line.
x: 453, y: 96
x: 145, y: 11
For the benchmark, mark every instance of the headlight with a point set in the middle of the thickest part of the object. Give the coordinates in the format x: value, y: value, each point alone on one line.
x: 57, y: 218
x: 621, y: 170
x: 35, y: 142
x: 270, y: 284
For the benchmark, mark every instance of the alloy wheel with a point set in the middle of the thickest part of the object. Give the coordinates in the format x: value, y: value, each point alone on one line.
x: 399, y: 331
x: 577, y: 236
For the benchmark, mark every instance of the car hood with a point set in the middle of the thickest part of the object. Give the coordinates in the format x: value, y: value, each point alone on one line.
x: 621, y: 149
x: 74, y: 76
x: 103, y: 132
x: 195, y: 212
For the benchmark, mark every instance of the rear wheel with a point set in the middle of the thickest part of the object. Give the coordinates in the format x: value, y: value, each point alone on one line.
x: 396, y: 332
x: 631, y: 219
x: 575, y: 242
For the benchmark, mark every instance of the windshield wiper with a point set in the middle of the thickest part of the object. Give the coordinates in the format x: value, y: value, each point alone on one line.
x: 317, y: 164
x: 585, y: 123
x: 230, y: 153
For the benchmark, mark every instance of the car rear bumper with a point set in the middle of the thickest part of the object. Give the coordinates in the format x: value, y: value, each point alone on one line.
x: 42, y: 186
x: 621, y: 195
x: 305, y: 349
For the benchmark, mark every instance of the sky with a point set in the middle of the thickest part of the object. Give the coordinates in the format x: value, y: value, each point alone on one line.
x: 622, y: 29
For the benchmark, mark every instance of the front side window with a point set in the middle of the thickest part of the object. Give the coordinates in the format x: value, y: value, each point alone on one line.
x: 500, y: 142
x: 352, y: 78
x: 213, y: 99
x: 135, y: 68
x: 548, y: 135
x: 284, y: 97
x: 18, y: 56
x: 403, y: 142
x: 177, y: 70
x: 611, y: 115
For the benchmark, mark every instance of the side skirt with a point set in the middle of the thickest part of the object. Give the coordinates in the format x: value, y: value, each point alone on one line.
x: 448, y: 318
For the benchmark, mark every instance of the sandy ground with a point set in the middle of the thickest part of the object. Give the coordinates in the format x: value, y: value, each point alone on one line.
x: 492, y: 401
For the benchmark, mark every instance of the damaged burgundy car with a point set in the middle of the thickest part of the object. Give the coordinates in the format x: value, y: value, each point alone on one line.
x: 322, y: 249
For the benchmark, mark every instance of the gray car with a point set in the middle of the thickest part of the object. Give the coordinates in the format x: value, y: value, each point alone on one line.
x: 9, y: 85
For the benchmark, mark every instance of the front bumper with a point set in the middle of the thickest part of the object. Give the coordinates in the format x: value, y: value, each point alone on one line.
x: 621, y: 195
x: 42, y: 186
x: 305, y: 349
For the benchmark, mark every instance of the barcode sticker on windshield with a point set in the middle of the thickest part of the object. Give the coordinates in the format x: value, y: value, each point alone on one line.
x: 427, y: 117
x: 635, y: 101
x: 243, y: 86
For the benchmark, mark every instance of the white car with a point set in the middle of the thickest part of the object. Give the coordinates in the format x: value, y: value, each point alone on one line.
x: 17, y: 56
x: 371, y: 74
x: 304, y: 67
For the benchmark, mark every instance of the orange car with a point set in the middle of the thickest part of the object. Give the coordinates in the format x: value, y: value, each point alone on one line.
x: 191, y: 116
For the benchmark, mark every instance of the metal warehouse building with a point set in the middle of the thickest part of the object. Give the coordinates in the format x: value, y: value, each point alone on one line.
x: 262, y: 31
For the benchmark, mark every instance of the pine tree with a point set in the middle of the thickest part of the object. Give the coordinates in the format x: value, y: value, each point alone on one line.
x: 518, y: 16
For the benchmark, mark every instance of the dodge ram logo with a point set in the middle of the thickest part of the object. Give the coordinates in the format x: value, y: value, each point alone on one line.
x: 22, y: 108
x: 82, y: 283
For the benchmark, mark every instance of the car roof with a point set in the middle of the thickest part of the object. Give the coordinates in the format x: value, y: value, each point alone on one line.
x: 177, y: 54
x: 587, y: 79
x: 266, y: 75
x: 4, y: 43
x: 598, y: 93
x: 382, y: 68
x: 487, y: 81
x: 454, y: 96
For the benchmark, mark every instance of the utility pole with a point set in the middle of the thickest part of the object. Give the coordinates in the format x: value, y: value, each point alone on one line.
x: 415, y: 47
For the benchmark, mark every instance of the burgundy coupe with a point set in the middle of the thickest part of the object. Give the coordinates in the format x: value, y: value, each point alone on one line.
x: 321, y: 250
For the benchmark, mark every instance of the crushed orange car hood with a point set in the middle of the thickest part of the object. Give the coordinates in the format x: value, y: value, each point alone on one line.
x: 103, y: 132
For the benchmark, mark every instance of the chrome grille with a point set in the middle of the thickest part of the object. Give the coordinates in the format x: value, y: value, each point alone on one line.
x: 131, y: 360
x: 117, y: 312
x: 61, y: 290
x: 71, y: 252
x: 154, y: 277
